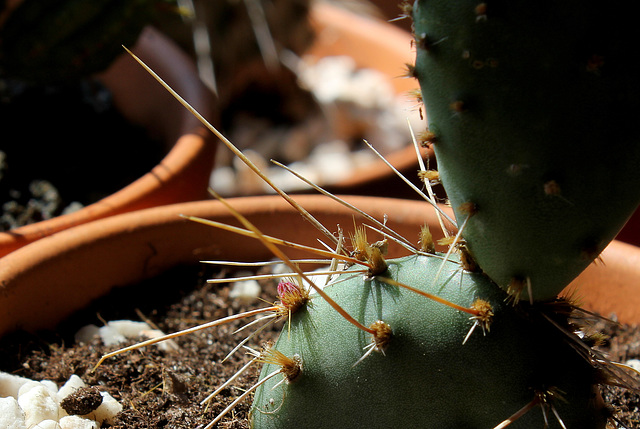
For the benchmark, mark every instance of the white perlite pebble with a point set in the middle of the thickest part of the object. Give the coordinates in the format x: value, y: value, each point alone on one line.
x: 118, y: 331
x: 86, y: 333
x: 38, y: 404
x: 128, y: 328
x: 223, y: 180
x: 10, y: 384
x: 111, y: 336
x: 11, y: 416
x: 634, y: 363
x: 332, y: 162
x: 77, y: 422
x: 107, y: 410
x: 29, y: 404
x: 51, y: 385
x: 74, y: 383
x: 165, y: 345
x: 28, y: 386
x: 47, y: 424
x: 245, y: 291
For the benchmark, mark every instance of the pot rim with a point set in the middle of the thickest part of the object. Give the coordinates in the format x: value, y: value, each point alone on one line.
x: 46, y: 281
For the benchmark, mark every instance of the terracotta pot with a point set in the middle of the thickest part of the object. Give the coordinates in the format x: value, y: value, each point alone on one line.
x: 371, y: 42
x: 183, y: 174
x: 46, y: 281
x: 376, y: 44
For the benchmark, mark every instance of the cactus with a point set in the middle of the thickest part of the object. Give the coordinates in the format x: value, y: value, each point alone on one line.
x: 531, y: 109
x: 425, y: 376
x: 422, y: 341
x: 530, y: 114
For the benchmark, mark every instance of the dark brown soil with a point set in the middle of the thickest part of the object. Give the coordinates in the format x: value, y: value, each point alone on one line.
x: 82, y: 401
x: 623, y: 344
x: 158, y: 389
x: 163, y: 389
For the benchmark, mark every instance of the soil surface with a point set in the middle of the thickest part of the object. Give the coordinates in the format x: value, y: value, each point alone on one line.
x: 158, y: 389
x: 163, y: 389
x: 622, y: 344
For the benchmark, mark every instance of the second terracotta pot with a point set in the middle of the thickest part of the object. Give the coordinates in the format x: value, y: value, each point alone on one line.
x: 183, y: 174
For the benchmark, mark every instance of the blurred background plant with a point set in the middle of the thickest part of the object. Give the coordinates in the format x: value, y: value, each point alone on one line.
x: 248, y: 52
x: 53, y: 98
x: 52, y: 104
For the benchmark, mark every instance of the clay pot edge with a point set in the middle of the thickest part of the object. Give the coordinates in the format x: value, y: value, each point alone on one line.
x: 46, y: 281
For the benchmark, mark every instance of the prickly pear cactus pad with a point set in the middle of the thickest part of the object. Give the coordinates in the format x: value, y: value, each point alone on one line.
x: 532, y: 111
x: 496, y: 373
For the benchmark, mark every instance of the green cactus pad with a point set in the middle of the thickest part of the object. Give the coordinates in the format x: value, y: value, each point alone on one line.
x: 534, y: 108
x: 426, y: 378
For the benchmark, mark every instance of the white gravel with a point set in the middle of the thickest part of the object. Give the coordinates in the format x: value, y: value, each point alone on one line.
x: 29, y: 404
x: 26, y: 404
x: 355, y: 103
x: 117, y: 331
